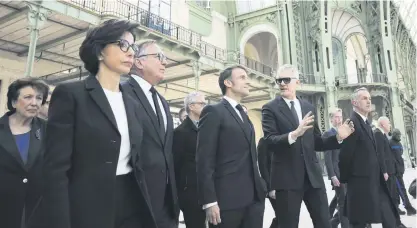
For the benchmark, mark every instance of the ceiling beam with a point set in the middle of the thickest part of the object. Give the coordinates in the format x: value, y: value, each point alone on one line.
x: 58, y: 41
x: 188, y: 76
x: 13, y: 15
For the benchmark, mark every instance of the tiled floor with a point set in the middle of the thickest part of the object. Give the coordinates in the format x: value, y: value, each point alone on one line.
x: 305, y: 221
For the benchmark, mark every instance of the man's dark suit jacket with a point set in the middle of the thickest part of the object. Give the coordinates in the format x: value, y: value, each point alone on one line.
x: 227, y: 170
x: 290, y: 162
x: 382, y: 146
x: 156, y: 153
x: 361, y: 167
x: 264, y: 161
x: 81, y: 157
x: 21, y: 183
x: 331, y: 158
x: 184, y: 150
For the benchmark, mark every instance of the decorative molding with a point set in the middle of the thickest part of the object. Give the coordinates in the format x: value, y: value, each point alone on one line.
x: 267, y: 18
x: 37, y: 16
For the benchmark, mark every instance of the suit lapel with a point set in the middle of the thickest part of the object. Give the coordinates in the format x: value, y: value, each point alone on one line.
x: 8, y: 141
x: 170, y: 123
x: 99, y: 97
x: 135, y: 128
x: 35, y: 143
x: 238, y: 119
x: 285, y: 110
x: 137, y: 90
x: 365, y: 128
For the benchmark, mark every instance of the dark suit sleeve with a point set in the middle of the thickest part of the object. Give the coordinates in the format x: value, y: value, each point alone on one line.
x: 269, y: 127
x: 381, y: 149
x: 207, y: 140
x: 264, y: 161
x: 346, y: 155
x: 328, y: 159
x: 177, y: 153
x: 59, y: 146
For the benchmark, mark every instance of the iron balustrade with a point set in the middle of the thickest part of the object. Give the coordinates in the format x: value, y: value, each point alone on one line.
x: 212, y: 51
x: 256, y: 65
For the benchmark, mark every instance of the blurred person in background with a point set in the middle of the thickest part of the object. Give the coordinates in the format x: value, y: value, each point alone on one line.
x: 22, y: 135
x: 43, y: 112
x: 183, y: 150
x: 182, y: 114
x: 397, y: 152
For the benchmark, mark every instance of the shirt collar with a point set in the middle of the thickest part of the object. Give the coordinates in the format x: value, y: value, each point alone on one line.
x: 146, y: 86
x: 288, y: 101
x: 363, y: 117
x: 232, y: 102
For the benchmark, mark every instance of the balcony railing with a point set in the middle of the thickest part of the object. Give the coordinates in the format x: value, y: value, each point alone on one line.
x: 123, y: 9
x: 256, y: 65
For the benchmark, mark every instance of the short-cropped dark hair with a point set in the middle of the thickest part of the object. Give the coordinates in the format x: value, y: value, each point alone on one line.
x: 98, y: 37
x: 227, y: 74
x: 14, y: 90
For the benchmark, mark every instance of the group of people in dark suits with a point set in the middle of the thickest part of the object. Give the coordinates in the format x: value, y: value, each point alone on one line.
x: 108, y: 155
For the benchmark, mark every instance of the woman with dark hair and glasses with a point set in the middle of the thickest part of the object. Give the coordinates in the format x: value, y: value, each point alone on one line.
x: 21, y: 137
x: 93, y: 177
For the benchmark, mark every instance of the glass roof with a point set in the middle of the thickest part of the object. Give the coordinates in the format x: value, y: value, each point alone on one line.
x: 408, y: 14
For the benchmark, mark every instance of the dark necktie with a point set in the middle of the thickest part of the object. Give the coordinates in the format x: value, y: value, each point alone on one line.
x: 294, y: 113
x: 158, y: 111
x: 369, y: 129
x: 245, y: 118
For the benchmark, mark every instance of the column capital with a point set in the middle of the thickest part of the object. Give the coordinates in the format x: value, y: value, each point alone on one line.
x: 37, y: 15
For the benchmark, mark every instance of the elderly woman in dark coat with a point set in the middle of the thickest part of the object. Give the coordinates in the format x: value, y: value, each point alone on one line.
x: 21, y: 136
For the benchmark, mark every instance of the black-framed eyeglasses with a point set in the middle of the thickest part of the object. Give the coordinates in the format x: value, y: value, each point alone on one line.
x: 125, y: 45
x: 285, y: 80
x: 160, y: 56
x: 200, y: 103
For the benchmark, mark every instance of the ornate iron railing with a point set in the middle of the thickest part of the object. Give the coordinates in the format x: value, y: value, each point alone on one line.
x: 256, y: 65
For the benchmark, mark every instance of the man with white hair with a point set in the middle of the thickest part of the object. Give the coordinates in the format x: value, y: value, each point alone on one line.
x: 382, y: 143
x: 183, y: 150
x: 363, y: 169
x: 294, y: 137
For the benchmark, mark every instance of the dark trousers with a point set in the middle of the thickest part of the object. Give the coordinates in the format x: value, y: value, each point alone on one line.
x: 389, y: 215
x: 274, y: 223
x: 194, y: 215
x: 340, y: 218
x: 165, y: 219
x: 127, y: 203
x: 402, y: 192
x: 288, y: 204
x: 332, y: 206
x: 251, y: 216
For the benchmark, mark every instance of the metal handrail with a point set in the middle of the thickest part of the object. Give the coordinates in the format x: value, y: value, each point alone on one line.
x: 256, y: 65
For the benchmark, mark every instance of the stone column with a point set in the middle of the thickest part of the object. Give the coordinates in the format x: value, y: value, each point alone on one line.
x: 197, y: 73
x: 326, y: 54
x: 391, y: 69
x: 37, y: 16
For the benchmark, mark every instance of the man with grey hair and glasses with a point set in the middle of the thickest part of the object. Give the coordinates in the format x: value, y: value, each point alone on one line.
x: 293, y: 135
x: 363, y: 169
x: 184, y: 150
x: 331, y: 158
x: 156, y: 148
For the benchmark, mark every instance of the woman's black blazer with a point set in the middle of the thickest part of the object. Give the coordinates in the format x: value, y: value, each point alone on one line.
x: 20, y: 183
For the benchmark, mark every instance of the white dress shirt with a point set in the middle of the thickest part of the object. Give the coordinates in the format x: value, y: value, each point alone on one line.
x: 146, y: 87
x: 297, y: 107
x: 119, y: 111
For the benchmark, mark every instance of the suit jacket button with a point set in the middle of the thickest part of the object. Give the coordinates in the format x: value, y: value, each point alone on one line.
x: 162, y: 171
x: 113, y: 141
x: 25, y: 180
